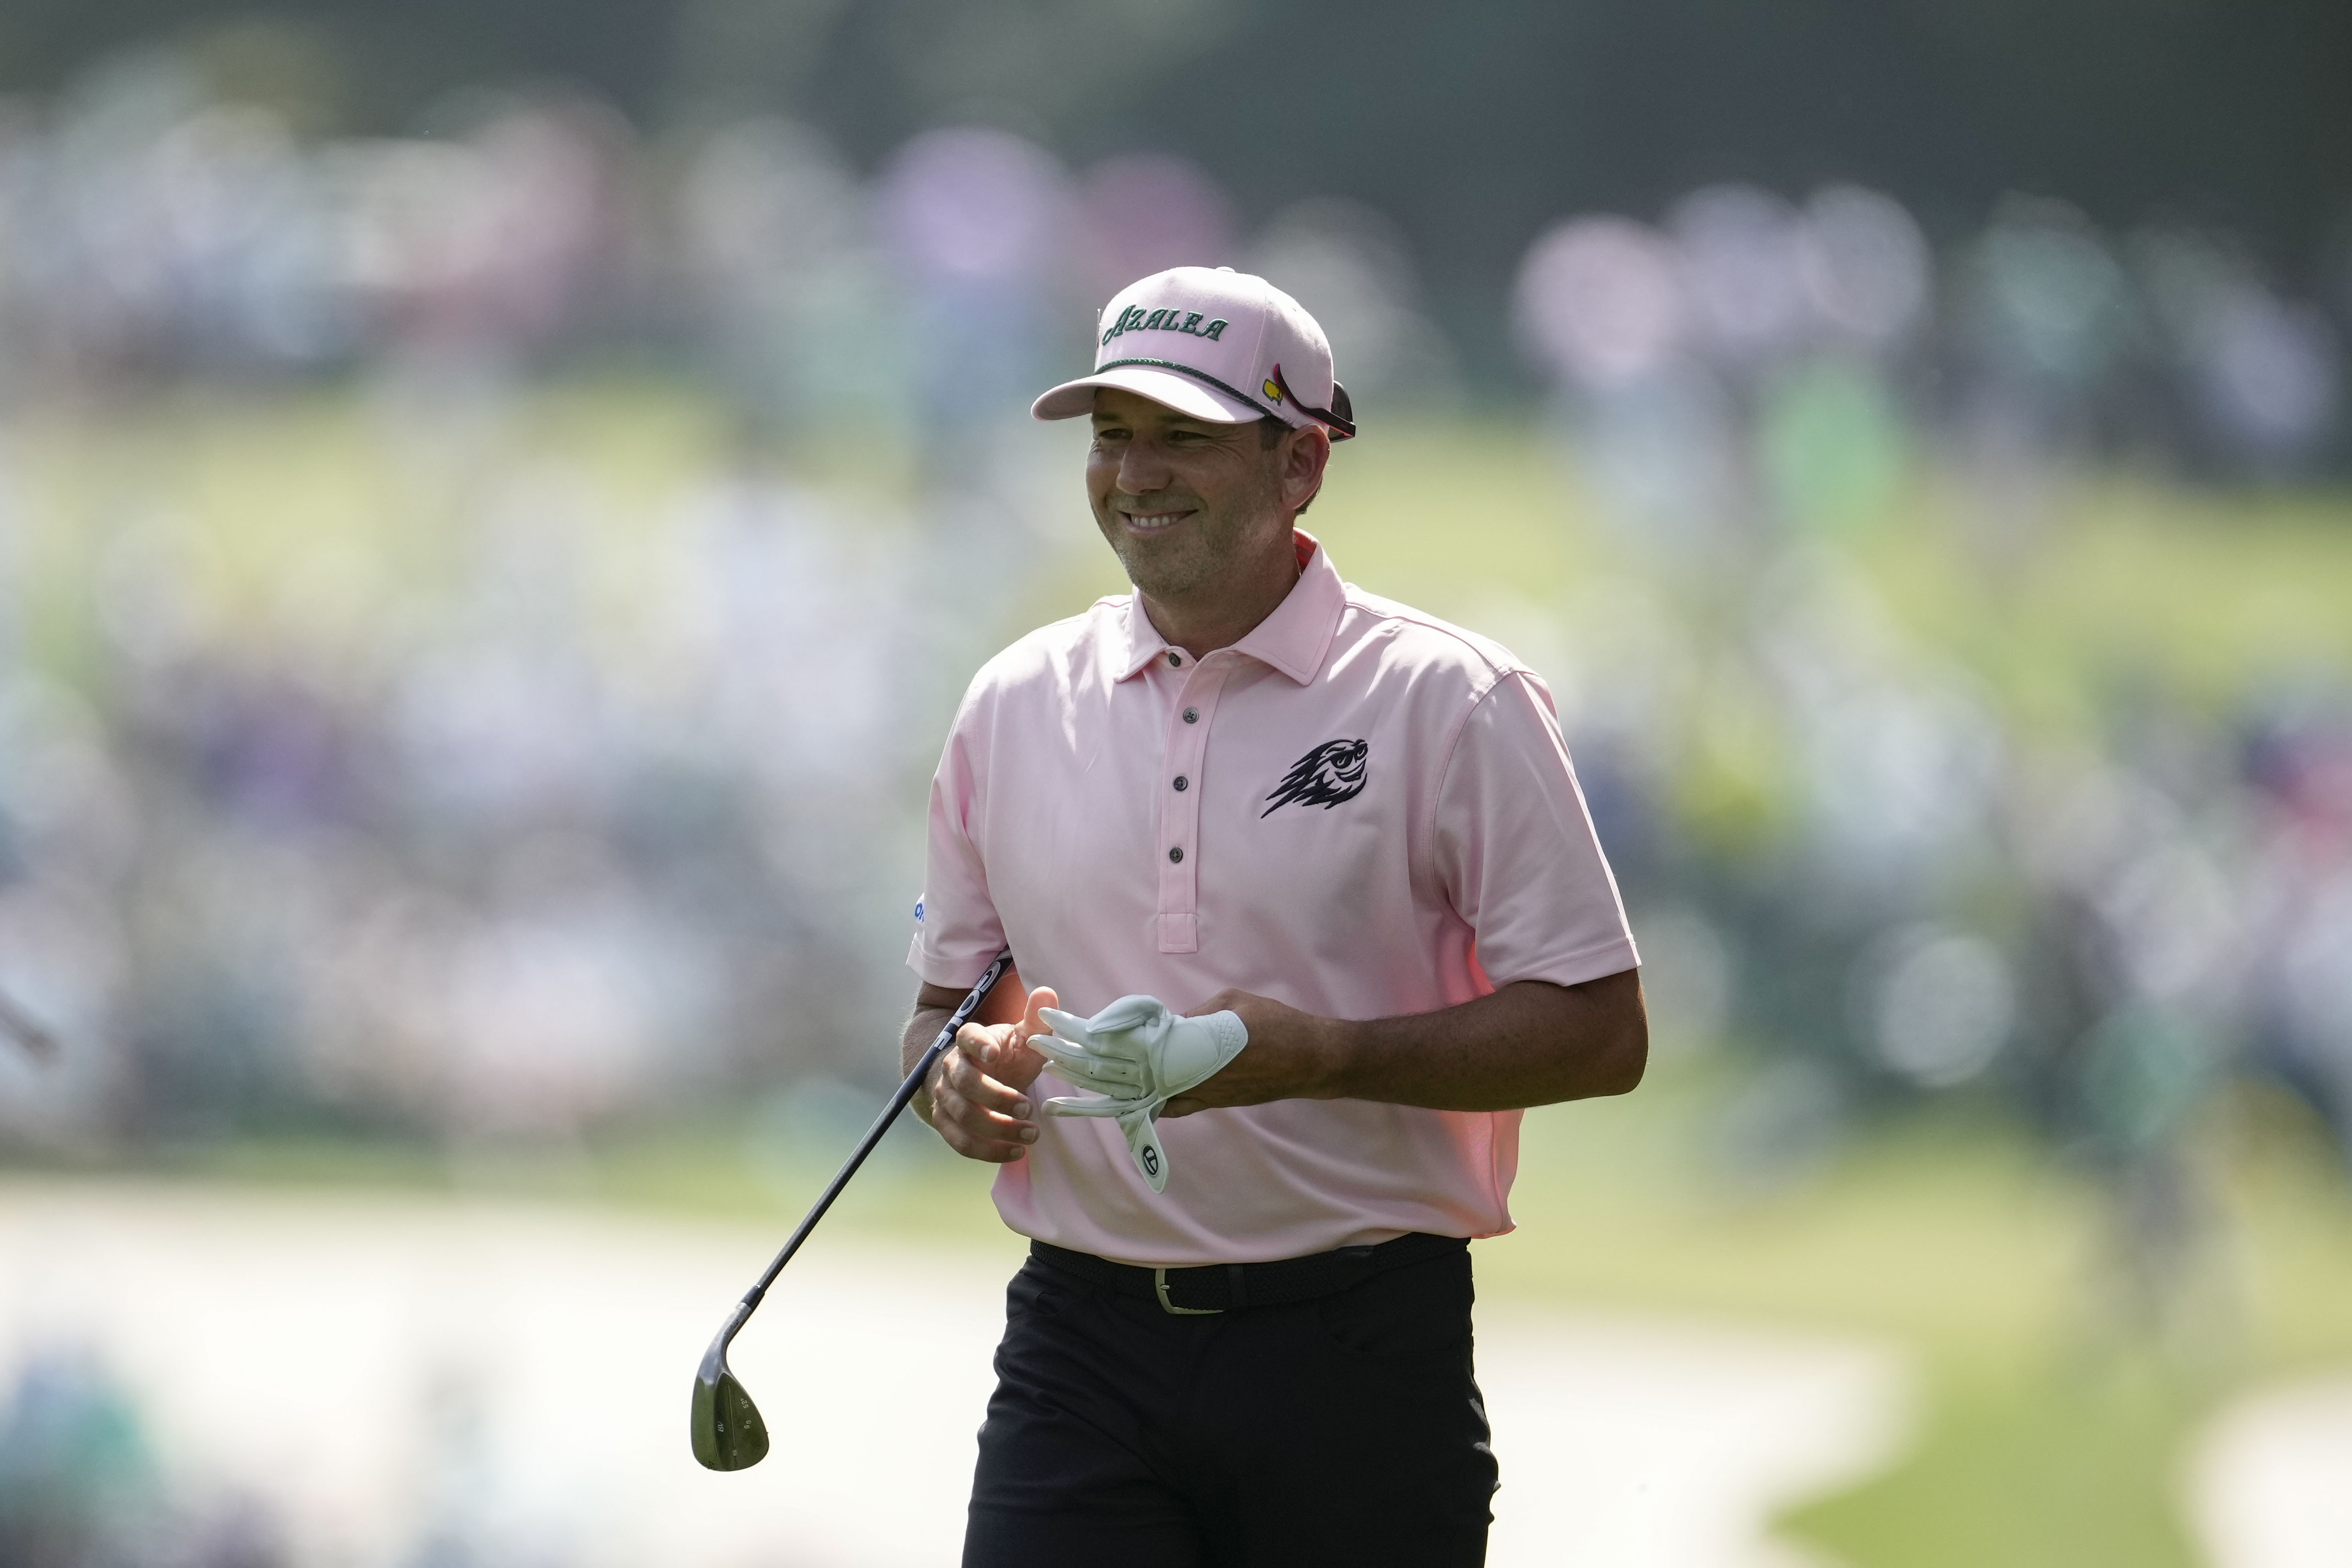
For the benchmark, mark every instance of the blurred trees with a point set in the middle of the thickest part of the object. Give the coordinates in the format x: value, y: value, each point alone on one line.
x: 1472, y: 127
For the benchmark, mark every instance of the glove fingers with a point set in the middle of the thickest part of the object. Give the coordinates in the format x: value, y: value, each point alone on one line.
x: 1069, y: 1025
x: 1087, y: 1071
x: 1058, y: 1049
x: 1098, y: 1083
x: 1128, y: 1013
x: 1061, y: 1053
x: 1071, y: 1105
x: 1108, y: 1090
x: 1127, y: 1074
x: 1099, y: 1048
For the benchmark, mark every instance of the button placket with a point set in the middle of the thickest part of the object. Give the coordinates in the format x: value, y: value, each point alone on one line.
x: 1181, y: 776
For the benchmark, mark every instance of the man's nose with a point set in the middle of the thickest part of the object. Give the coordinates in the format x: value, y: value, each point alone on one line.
x: 1142, y: 467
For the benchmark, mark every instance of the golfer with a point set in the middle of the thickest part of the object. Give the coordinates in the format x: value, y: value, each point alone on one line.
x: 1308, y: 905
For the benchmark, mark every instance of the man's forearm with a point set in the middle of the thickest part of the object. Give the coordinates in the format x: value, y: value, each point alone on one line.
x: 1530, y: 1043
x: 922, y: 1028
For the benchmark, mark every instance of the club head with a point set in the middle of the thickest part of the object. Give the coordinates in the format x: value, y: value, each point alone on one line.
x: 728, y: 1432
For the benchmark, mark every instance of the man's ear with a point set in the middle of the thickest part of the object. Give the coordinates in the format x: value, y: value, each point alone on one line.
x: 1303, y: 455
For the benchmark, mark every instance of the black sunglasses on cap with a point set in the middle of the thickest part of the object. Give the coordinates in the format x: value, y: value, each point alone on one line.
x: 1340, y: 417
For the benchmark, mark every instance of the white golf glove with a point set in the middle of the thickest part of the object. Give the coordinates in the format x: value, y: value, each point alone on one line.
x: 1138, y: 1055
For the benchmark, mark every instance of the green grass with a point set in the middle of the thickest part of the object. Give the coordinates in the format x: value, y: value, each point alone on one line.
x: 2069, y: 1468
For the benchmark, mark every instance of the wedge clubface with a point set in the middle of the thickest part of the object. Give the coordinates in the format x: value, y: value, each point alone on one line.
x: 728, y: 1432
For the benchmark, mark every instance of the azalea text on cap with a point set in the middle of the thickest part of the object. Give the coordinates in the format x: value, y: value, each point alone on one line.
x: 1217, y: 344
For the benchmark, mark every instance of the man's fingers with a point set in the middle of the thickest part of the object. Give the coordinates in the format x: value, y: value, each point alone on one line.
x: 988, y: 1148
x: 1001, y: 1048
x: 994, y: 1151
x: 967, y: 1078
x: 979, y: 1134
x: 978, y: 1117
x: 1033, y: 1021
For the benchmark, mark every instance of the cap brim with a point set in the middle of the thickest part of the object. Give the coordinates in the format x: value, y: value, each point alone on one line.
x: 1179, y: 391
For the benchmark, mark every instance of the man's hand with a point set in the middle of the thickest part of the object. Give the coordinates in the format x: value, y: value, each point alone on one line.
x: 977, y: 1095
x: 1292, y: 1056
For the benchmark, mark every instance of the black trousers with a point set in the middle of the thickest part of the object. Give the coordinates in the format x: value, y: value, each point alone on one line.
x: 1344, y: 1430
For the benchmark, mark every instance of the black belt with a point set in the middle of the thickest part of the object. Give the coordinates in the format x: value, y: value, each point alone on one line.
x: 1221, y: 1287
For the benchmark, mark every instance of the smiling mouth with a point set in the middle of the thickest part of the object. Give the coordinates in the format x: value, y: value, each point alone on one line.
x: 1153, y: 521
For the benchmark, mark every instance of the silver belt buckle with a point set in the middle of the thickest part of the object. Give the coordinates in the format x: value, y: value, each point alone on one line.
x: 1159, y: 1283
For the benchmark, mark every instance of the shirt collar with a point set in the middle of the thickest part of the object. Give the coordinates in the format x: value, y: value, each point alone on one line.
x: 1293, y: 638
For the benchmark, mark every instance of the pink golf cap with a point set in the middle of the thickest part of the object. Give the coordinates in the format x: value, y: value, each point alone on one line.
x: 1217, y: 344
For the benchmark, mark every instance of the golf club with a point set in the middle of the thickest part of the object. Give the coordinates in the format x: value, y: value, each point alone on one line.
x: 728, y: 1432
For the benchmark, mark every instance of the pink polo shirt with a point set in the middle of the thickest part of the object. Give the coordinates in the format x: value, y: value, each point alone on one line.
x: 1357, y: 809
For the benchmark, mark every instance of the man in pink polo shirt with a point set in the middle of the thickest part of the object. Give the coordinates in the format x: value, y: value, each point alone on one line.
x: 1243, y: 1335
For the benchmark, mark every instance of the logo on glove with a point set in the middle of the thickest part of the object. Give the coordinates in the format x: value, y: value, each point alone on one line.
x: 1330, y: 773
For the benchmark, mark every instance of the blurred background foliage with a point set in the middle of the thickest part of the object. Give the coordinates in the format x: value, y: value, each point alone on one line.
x: 496, y: 504
x: 1469, y: 127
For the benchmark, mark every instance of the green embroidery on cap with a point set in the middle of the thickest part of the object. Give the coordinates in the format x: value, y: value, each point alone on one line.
x: 1163, y: 320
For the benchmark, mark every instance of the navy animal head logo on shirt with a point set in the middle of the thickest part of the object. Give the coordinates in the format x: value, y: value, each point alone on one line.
x: 1331, y: 772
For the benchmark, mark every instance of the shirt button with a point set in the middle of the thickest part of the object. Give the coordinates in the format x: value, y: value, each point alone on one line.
x: 1180, y: 784
x: 1191, y: 715
x: 1175, y: 659
x: 1177, y: 856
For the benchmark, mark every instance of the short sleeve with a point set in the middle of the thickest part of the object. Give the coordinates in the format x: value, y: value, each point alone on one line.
x: 957, y: 932
x: 1515, y: 848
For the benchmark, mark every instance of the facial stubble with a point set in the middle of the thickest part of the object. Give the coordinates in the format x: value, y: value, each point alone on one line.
x: 1212, y: 543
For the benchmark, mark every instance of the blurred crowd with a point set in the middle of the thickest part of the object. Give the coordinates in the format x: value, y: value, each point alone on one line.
x: 148, y: 233
x: 554, y: 833
x: 1856, y: 855
x: 1843, y: 854
x: 595, y: 815
x: 149, y: 230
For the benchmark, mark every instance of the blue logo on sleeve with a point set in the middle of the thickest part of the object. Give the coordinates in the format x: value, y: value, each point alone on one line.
x: 918, y: 911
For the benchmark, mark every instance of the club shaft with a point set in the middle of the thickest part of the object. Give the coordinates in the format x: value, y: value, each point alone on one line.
x: 898, y: 1102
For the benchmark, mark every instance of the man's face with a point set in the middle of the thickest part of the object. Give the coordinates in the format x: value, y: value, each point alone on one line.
x: 1184, y: 501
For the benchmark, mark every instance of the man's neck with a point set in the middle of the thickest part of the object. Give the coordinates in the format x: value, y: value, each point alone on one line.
x: 1220, y: 614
